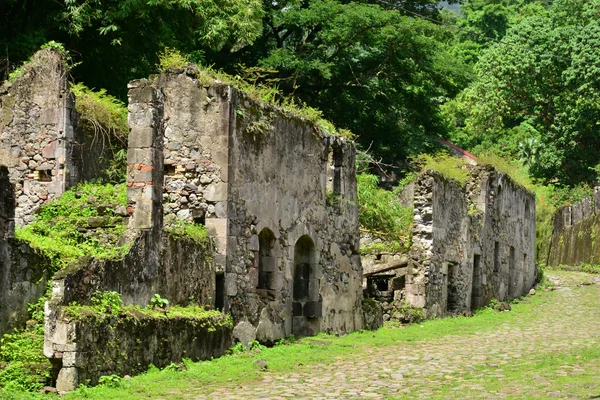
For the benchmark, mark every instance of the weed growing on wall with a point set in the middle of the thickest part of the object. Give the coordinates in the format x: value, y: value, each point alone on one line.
x: 246, y: 82
x: 196, y: 232
x: 170, y: 59
x: 104, y: 118
x: 83, y: 221
x: 514, y: 169
x: 447, y: 165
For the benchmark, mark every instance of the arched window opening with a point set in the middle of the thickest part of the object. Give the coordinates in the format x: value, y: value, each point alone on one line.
x: 306, y: 297
x: 267, y: 263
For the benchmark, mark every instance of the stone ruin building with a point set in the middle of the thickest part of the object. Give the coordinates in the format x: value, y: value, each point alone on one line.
x: 276, y: 193
x: 41, y: 142
x: 471, y: 243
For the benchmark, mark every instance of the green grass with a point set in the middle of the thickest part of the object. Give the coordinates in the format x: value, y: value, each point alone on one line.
x: 301, y: 357
x: 237, y: 369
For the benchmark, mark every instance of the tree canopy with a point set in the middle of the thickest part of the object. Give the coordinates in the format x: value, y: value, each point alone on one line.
x: 516, y: 77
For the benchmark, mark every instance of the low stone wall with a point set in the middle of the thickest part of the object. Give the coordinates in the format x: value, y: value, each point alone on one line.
x: 177, y: 268
x: 93, y: 345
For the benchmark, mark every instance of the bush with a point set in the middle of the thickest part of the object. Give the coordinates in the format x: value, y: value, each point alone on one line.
x: 380, y: 214
x: 171, y: 59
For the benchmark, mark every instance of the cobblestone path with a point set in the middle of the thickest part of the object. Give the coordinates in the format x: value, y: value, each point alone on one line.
x: 504, y: 363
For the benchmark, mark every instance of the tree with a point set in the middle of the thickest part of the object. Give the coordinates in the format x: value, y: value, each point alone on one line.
x: 368, y: 68
x: 542, y: 84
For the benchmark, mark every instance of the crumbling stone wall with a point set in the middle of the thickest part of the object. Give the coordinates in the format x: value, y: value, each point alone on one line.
x: 471, y: 243
x: 576, y: 244
x: 36, y: 133
x: 89, y: 346
x: 283, y: 170
x: 274, y: 190
x: 574, y: 234
x: 178, y: 269
x: 23, y: 272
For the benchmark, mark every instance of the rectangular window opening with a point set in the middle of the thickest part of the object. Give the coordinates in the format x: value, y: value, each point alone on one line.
x: 219, y: 291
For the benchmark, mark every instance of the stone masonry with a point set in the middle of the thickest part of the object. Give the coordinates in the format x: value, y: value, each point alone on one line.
x: 278, y: 197
x: 277, y: 193
x: 23, y: 271
x: 471, y: 243
x: 36, y: 133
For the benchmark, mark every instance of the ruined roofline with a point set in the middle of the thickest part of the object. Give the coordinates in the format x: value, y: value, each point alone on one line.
x: 38, y: 60
x: 289, y: 109
x: 475, y: 172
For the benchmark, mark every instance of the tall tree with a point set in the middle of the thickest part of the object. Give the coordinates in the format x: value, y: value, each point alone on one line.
x: 542, y: 83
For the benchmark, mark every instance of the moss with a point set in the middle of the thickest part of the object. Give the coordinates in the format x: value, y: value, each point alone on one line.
x: 208, y: 319
x: 61, y: 229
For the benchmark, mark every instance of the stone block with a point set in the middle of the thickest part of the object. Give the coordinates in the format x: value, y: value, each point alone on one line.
x: 245, y: 332
x: 231, y: 284
x: 67, y: 380
x: 269, y: 264
x: 141, y: 136
x: 49, y: 151
x: 313, y: 309
x: 253, y: 277
x: 216, y: 192
x: 254, y: 244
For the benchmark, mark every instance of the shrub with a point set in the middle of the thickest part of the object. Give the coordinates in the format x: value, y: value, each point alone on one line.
x: 108, y: 302
x: 156, y: 301
x: 171, y: 59
x: 380, y: 214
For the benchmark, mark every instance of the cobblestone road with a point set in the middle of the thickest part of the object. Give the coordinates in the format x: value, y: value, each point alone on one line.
x: 465, y: 366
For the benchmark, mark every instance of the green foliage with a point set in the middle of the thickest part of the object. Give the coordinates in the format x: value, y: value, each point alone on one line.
x: 406, y: 313
x: 369, y: 69
x: 386, y: 247
x: 537, y: 98
x: 268, y: 93
x: 583, y: 267
x: 104, y: 118
x: 194, y: 231
x: 75, y: 225
x: 112, y: 381
x: 172, y: 59
x: 451, y: 167
x: 108, y: 302
x: 23, y: 366
x: 514, y: 169
x: 380, y: 213
x: 156, y: 301
x: 544, y: 218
